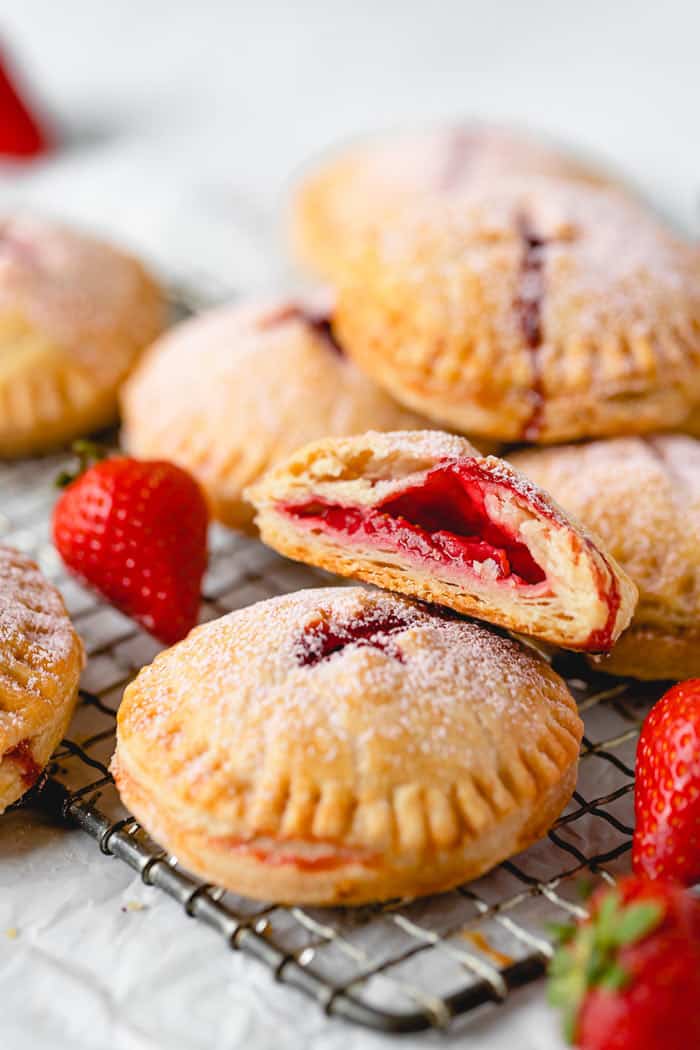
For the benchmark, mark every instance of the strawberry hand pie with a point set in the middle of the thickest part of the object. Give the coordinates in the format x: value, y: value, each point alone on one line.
x: 529, y: 309
x: 641, y: 496
x: 75, y: 314
x: 424, y: 514
x: 41, y: 658
x: 339, y: 746
x: 361, y: 182
x: 234, y: 391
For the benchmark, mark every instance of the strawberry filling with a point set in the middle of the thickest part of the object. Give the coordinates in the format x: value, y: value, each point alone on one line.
x: 319, y: 321
x: 316, y: 857
x: 324, y: 639
x: 21, y: 755
x: 442, y: 520
x: 601, y: 641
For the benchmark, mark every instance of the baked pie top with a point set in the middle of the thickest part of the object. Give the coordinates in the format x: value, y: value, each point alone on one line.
x: 642, y: 497
x: 358, y: 183
x: 531, y: 309
x: 74, y: 313
x: 41, y: 656
x: 228, y: 393
x: 423, y: 513
x: 348, y: 717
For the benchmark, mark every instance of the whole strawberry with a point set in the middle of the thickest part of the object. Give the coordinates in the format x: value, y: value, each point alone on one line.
x: 628, y: 978
x: 667, y: 788
x: 136, y: 531
x: 21, y: 134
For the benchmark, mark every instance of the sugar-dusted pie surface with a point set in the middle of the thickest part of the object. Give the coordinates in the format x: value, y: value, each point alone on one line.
x: 532, y: 309
x: 74, y: 315
x: 338, y: 746
x: 41, y: 658
x: 231, y: 392
x: 641, y: 496
x: 422, y: 513
x: 356, y: 184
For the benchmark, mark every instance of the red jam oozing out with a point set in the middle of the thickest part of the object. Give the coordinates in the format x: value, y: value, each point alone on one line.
x: 601, y: 641
x: 443, y: 519
x: 318, y: 321
x: 323, y: 326
x: 336, y: 857
x: 21, y: 755
x: 324, y: 639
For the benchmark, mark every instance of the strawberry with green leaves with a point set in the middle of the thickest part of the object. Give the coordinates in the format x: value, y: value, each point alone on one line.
x: 628, y: 978
x: 136, y: 532
x: 667, y: 788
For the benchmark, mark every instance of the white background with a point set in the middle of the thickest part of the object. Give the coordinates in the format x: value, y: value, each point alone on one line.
x: 182, y: 126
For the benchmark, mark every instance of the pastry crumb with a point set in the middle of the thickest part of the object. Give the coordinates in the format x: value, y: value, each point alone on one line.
x: 12, y: 933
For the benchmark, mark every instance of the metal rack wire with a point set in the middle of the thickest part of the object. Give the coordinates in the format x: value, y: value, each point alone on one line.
x: 397, y: 967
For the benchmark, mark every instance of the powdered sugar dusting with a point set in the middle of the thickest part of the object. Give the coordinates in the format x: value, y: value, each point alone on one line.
x: 234, y: 694
x: 433, y: 292
x: 235, y: 390
x: 77, y: 290
x: 36, y: 641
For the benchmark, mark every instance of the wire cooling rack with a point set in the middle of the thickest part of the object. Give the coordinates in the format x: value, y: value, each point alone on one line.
x: 397, y: 967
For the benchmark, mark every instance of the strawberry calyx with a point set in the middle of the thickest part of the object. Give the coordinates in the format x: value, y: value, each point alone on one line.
x: 87, y: 453
x: 588, y: 954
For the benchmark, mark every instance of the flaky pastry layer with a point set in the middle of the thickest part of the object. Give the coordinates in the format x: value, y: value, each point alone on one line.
x: 423, y: 514
x: 642, y: 497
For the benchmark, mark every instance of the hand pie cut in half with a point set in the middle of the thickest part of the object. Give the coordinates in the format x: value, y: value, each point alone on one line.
x: 642, y: 497
x: 358, y: 183
x: 74, y: 316
x: 231, y: 392
x: 340, y: 746
x: 41, y: 658
x: 422, y: 513
x: 530, y: 309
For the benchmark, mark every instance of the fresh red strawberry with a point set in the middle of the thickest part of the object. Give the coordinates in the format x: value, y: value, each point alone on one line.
x: 21, y: 134
x: 667, y: 788
x: 136, y: 531
x: 628, y: 977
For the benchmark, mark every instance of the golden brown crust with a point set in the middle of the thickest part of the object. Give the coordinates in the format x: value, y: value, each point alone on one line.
x: 534, y: 309
x: 642, y: 497
x: 354, y: 186
x: 649, y: 654
x: 288, y: 772
x: 585, y: 601
x: 228, y: 394
x: 74, y: 315
x: 40, y: 662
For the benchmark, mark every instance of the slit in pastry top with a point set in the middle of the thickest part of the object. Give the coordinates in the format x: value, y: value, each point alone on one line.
x: 424, y: 514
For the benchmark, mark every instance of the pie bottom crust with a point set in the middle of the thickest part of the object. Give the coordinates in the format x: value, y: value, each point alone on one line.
x: 343, y: 881
x: 13, y: 784
x: 650, y: 653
